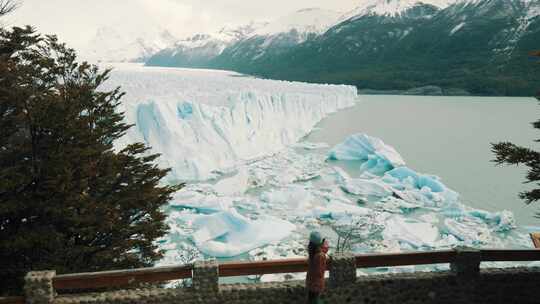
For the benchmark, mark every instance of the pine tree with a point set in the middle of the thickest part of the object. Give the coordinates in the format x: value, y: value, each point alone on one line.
x: 69, y: 200
x: 511, y: 154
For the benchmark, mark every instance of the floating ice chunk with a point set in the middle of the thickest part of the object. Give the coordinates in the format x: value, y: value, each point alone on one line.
x: 375, y: 155
x: 448, y: 241
x: 470, y: 232
x: 366, y: 187
x: 418, y: 181
x: 234, y: 185
x: 337, y: 210
x: 204, y: 203
x: 293, y: 197
x: 429, y: 218
x: 228, y: 234
x: 503, y: 220
x: 332, y: 193
x: 395, y: 205
x: 417, y: 234
x: 219, y: 224
x: 411, y: 185
x: 453, y: 210
x: 311, y: 146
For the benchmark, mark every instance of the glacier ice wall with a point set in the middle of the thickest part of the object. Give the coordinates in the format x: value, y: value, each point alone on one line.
x: 207, y: 120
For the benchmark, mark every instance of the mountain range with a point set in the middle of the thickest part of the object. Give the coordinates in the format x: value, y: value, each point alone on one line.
x: 110, y: 44
x: 466, y: 47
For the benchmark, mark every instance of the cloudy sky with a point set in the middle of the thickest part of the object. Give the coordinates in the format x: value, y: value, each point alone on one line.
x: 76, y: 21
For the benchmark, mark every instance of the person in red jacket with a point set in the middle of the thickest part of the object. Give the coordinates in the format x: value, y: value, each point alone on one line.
x: 317, y: 249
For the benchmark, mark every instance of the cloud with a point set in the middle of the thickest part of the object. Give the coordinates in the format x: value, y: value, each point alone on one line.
x: 77, y: 21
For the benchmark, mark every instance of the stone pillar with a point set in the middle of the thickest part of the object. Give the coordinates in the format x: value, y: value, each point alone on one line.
x: 342, y: 269
x: 38, y: 287
x: 206, y: 276
x: 467, y: 263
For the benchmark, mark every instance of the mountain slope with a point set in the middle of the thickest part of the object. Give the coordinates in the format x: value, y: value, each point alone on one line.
x: 109, y: 45
x: 199, y: 50
x: 255, y: 41
x: 478, y: 46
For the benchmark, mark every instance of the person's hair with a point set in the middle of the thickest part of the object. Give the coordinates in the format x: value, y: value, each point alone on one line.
x: 313, y: 249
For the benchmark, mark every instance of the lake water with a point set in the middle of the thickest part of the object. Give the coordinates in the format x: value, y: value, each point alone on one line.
x: 450, y: 137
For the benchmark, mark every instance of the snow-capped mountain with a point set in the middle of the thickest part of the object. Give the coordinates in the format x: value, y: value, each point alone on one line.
x: 308, y: 21
x: 248, y: 42
x: 199, y: 50
x: 391, y: 8
x: 463, y: 46
x: 112, y: 45
x: 279, y: 36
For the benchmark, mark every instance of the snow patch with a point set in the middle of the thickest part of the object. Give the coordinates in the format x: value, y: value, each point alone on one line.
x: 457, y: 28
x: 311, y: 20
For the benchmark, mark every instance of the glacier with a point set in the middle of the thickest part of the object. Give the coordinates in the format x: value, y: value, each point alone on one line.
x: 255, y: 186
x: 204, y: 122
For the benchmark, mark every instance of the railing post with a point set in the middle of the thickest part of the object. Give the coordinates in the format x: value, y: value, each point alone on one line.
x: 342, y: 269
x: 38, y: 287
x: 206, y: 276
x: 467, y: 262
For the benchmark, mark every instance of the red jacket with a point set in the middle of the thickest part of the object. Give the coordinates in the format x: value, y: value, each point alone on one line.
x: 315, y: 274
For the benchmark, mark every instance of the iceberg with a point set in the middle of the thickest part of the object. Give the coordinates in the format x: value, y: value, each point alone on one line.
x: 201, y: 202
x: 394, y: 205
x: 411, y: 185
x: 469, y: 232
x: 234, y: 185
x: 503, y: 220
x: 416, y: 180
x: 337, y: 210
x: 375, y: 155
x: 366, y: 187
x: 207, y: 120
x: 311, y: 146
x: 414, y: 233
x: 228, y: 234
x: 291, y: 198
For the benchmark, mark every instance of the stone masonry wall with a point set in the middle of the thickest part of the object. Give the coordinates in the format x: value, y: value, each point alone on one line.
x: 460, y: 285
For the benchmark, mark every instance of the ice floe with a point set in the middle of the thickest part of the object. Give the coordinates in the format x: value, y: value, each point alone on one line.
x: 266, y: 208
x: 415, y: 233
x: 228, y: 234
x: 374, y: 154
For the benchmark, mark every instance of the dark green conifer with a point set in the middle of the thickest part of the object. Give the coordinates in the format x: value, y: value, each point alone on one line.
x: 69, y: 200
x: 511, y: 154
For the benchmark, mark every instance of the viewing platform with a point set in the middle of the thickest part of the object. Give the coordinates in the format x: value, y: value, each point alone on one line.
x: 465, y: 282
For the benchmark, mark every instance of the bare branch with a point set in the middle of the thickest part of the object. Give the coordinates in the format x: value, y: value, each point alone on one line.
x: 8, y: 6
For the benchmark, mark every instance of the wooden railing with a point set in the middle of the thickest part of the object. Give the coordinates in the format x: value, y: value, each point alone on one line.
x: 12, y: 300
x: 228, y: 269
x: 118, y: 278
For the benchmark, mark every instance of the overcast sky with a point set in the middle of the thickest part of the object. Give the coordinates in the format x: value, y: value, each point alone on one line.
x: 76, y: 21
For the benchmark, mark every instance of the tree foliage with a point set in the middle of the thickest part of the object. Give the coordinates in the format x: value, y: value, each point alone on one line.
x: 69, y: 200
x: 511, y: 154
x: 7, y: 6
